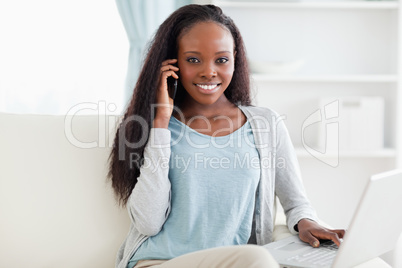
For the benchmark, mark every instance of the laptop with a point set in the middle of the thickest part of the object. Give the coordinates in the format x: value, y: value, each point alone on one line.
x: 374, y: 230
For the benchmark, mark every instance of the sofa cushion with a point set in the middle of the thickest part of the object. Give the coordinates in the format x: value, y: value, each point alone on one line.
x: 57, y: 208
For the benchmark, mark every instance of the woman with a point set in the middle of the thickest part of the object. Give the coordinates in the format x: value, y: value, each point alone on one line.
x: 199, y: 174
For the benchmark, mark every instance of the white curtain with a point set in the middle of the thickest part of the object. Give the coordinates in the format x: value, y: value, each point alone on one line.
x: 141, y: 18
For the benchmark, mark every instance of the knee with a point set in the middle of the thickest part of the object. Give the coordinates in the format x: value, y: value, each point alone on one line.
x: 256, y: 257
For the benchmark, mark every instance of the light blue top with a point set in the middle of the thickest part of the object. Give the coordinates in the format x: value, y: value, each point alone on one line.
x: 213, y: 189
x: 149, y: 204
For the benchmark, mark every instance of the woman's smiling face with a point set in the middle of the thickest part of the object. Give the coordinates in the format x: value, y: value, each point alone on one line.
x: 206, y: 62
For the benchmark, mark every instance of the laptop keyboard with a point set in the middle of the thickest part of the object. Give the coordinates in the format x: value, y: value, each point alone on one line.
x: 324, y: 255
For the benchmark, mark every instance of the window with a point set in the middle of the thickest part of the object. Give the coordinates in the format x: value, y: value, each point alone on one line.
x: 55, y: 55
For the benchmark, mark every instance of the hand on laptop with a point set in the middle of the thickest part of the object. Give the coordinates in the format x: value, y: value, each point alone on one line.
x: 310, y: 232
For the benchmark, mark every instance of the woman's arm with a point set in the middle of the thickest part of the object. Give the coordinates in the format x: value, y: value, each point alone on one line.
x: 149, y: 202
x: 288, y: 184
x: 301, y: 217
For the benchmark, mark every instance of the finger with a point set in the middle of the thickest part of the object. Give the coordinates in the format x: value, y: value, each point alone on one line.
x: 329, y: 235
x: 335, y: 238
x: 309, y: 238
x: 339, y: 232
x: 169, y: 67
x: 170, y: 73
x: 169, y: 61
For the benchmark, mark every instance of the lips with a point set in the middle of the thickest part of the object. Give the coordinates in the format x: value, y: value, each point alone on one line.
x: 208, y: 87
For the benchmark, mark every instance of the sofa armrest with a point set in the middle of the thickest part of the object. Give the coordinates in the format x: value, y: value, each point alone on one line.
x: 281, y: 230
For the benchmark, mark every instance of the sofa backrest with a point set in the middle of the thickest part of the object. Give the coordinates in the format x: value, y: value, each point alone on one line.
x: 57, y: 208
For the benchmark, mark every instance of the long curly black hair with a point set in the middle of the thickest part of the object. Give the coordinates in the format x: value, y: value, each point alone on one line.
x: 132, y: 134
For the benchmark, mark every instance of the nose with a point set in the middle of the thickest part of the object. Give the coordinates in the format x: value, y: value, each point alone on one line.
x: 208, y: 71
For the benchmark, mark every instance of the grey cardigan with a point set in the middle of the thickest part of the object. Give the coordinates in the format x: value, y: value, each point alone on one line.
x: 149, y: 203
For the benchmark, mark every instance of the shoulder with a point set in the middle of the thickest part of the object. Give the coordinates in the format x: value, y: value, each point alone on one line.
x: 264, y: 118
x: 254, y: 112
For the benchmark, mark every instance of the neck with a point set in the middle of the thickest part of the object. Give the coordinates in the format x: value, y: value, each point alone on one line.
x: 220, y: 107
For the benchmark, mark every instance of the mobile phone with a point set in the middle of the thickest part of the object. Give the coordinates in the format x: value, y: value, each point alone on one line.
x: 172, y: 86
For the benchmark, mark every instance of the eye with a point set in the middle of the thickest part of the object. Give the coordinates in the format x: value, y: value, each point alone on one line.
x: 193, y: 60
x: 222, y: 60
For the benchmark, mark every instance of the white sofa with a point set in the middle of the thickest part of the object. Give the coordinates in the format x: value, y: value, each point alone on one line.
x: 57, y: 208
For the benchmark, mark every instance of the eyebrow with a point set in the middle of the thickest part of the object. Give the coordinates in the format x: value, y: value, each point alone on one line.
x: 219, y: 52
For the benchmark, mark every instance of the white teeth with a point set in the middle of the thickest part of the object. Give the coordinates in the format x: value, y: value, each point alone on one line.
x: 207, y: 87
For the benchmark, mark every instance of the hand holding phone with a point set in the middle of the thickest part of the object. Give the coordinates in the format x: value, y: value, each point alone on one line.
x: 166, y: 93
